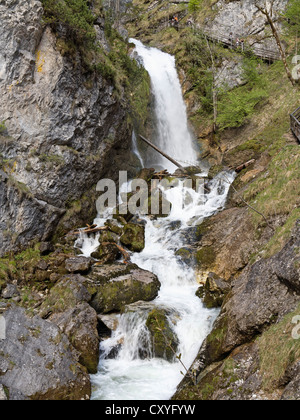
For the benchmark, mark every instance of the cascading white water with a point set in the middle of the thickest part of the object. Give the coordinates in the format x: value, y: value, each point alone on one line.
x: 134, y: 374
x: 172, y: 132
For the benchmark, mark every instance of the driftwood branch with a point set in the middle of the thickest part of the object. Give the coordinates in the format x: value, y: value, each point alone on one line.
x: 244, y: 165
x: 162, y: 153
x: 91, y: 230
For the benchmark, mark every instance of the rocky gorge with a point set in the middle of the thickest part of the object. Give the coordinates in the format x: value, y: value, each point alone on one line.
x: 65, y: 126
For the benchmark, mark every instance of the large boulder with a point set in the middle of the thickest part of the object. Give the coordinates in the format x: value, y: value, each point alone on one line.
x: 37, y: 361
x: 119, y: 285
x: 66, y: 294
x: 62, y: 122
x: 163, y: 337
x: 134, y: 237
x: 80, y: 326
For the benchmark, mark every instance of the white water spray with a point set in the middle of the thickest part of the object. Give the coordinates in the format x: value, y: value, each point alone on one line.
x: 172, y: 132
x: 132, y: 373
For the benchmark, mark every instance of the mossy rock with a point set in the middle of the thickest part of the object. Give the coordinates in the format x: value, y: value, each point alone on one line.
x: 206, y: 257
x: 114, y: 227
x: 107, y: 253
x: 115, y: 294
x: 214, y: 291
x: 164, y: 340
x: 107, y: 236
x: 187, y: 255
x: 134, y: 237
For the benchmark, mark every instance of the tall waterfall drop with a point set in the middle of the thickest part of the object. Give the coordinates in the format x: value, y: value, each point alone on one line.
x: 128, y: 369
x: 172, y: 132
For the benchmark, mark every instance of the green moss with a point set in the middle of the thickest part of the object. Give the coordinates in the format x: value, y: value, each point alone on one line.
x: 164, y: 340
x: 133, y: 237
x: 206, y: 257
x: 216, y: 338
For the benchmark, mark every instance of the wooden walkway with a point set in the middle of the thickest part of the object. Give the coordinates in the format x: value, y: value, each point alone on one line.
x: 295, y: 123
x: 225, y: 39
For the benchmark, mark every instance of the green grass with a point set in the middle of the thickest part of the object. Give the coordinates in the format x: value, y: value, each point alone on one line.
x: 278, y: 350
x: 277, y: 192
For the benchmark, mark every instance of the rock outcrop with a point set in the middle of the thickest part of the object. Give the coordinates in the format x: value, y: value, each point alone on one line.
x: 255, y: 328
x: 243, y: 19
x: 37, y: 361
x: 64, y: 127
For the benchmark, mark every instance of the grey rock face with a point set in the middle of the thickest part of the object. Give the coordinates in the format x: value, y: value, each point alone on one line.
x: 243, y: 19
x: 64, y: 127
x: 37, y: 361
x: 265, y: 292
x: 80, y: 326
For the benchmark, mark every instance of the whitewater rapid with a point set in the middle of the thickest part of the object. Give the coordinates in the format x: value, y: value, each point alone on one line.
x: 128, y: 376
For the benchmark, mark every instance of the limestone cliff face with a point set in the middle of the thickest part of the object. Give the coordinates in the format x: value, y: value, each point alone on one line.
x: 63, y: 126
x: 243, y: 19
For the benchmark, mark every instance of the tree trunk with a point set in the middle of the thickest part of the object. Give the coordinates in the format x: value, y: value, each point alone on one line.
x: 278, y: 41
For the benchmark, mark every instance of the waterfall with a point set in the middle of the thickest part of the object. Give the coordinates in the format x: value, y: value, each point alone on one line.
x: 172, y: 134
x: 127, y: 369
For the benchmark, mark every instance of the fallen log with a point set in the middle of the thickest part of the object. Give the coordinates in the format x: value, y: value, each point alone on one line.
x: 162, y: 153
x: 91, y: 230
x: 245, y: 165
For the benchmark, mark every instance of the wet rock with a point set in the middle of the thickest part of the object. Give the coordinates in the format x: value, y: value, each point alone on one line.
x: 133, y: 237
x: 164, y: 340
x: 78, y: 264
x: 37, y: 361
x: 107, y: 253
x: 80, y: 326
x: 111, y: 321
x: 114, y: 227
x: 214, y: 291
x: 126, y: 286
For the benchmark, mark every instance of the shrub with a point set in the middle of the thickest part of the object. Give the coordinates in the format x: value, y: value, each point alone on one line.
x: 74, y: 15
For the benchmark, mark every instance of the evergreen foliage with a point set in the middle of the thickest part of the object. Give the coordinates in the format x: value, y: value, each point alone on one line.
x: 75, y: 16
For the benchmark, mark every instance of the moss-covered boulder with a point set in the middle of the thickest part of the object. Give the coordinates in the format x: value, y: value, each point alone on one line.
x: 134, y: 237
x: 66, y: 294
x: 121, y: 286
x: 107, y: 253
x: 164, y: 340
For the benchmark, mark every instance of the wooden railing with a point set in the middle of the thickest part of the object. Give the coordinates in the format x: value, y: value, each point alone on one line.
x: 295, y: 123
x: 225, y: 39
